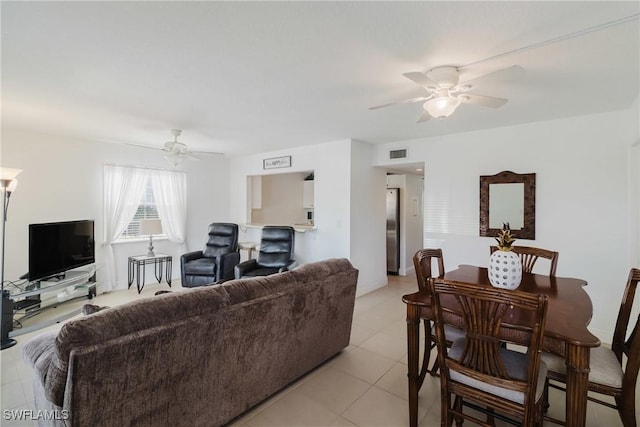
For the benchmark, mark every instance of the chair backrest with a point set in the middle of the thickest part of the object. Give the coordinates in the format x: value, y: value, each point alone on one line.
x: 223, y: 238
x: 529, y: 256
x: 622, y: 344
x: 277, y: 245
x: 482, y: 311
x: 422, y: 261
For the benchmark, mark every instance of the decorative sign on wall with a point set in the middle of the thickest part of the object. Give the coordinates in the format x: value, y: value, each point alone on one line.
x: 277, y: 162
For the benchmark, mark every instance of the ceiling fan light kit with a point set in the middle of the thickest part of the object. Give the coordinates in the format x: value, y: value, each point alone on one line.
x: 441, y: 107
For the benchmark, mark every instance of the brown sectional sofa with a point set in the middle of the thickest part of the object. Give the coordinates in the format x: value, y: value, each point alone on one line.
x: 198, y: 357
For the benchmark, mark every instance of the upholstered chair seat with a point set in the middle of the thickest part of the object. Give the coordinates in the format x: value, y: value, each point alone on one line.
x: 605, y: 368
x: 516, y: 364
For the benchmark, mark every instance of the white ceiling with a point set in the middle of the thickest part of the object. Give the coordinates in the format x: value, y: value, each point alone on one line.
x: 241, y: 77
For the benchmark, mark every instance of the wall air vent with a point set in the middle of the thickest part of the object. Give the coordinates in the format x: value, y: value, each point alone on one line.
x: 398, y: 154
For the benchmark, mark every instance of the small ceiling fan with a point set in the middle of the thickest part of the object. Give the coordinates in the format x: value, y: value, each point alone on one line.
x: 176, y: 150
x: 445, y: 92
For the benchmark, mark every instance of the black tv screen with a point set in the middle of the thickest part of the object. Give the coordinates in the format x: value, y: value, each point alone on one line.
x: 60, y: 246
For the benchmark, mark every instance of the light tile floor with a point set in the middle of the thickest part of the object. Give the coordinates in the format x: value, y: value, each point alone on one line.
x: 365, y: 385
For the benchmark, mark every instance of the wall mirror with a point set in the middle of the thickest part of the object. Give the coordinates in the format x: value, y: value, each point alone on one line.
x: 508, y: 197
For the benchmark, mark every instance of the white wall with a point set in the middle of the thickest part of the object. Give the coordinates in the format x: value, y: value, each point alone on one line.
x: 62, y: 180
x: 368, y: 218
x: 332, y: 166
x: 583, y: 207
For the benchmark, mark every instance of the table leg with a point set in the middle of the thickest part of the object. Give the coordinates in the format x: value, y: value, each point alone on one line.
x: 144, y: 274
x: 169, y: 262
x: 577, y: 363
x: 413, y: 353
x: 130, y: 273
x: 157, y: 266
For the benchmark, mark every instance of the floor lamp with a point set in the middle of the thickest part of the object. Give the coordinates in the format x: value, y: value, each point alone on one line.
x: 8, y: 184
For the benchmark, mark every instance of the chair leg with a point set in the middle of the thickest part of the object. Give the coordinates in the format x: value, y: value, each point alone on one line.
x: 545, y: 396
x: 427, y: 353
x: 457, y: 404
x: 540, y: 412
x: 627, y: 409
x: 436, y: 366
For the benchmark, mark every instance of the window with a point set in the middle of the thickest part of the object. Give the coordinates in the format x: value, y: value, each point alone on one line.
x: 132, y: 194
x: 147, y: 209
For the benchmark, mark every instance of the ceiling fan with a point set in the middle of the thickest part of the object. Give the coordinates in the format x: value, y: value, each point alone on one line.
x: 176, y: 150
x: 445, y: 92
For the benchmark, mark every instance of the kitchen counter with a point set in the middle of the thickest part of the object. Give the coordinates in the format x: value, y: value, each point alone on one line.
x: 300, y: 228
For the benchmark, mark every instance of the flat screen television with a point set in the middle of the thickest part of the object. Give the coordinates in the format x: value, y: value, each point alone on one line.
x: 56, y: 247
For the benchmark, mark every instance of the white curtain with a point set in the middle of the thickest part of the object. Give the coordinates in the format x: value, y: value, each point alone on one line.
x: 123, y: 189
x: 170, y: 194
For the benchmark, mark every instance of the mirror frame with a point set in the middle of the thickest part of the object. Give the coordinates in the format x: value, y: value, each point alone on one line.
x: 507, y: 177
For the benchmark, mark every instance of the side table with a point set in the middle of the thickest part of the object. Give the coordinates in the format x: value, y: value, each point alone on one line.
x: 139, y: 262
x: 249, y: 247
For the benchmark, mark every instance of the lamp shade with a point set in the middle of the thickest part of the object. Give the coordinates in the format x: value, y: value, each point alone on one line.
x: 12, y: 186
x: 441, y: 106
x: 8, y: 179
x: 9, y: 173
x: 150, y: 227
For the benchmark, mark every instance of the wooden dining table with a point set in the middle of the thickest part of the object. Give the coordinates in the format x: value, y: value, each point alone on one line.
x: 566, y: 335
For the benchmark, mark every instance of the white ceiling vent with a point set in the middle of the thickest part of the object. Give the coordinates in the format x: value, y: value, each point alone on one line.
x: 398, y: 154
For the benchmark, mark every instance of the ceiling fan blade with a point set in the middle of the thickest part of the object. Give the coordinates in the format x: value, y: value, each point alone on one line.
x: 485, y: 101
x: 503, y: 73
x: 190, y: 156
x: 421, y: 79
x: 406, y: 101
x: 424, y: 117
x: 207, y: 153
x: 143, y: 146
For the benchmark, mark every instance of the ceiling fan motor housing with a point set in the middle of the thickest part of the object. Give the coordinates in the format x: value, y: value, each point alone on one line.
x: 446, y: 77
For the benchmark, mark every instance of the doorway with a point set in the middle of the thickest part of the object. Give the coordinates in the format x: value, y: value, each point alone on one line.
x: 408, y: 179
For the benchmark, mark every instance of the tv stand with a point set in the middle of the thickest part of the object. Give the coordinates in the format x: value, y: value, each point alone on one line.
x: 45, y: 299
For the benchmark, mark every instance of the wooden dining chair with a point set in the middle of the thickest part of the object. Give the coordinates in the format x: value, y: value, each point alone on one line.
x: 614, y: 371
x: 529, y: 255
x: 477, y: 370
x: 423, y: 261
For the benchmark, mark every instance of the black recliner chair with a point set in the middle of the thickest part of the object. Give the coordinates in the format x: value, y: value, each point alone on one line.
x: 274, y: 256
x: 216, y: 261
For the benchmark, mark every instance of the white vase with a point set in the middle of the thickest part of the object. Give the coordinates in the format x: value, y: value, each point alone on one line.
x: 505, y: 269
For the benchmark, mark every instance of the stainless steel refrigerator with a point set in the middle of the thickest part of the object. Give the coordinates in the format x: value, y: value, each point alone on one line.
x: 393, y: 230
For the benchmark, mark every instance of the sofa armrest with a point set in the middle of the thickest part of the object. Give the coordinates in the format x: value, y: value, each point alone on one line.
x: 243, y: 267
x: 40, y: 353
x: 289, y: 266
x: 226, y: 264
